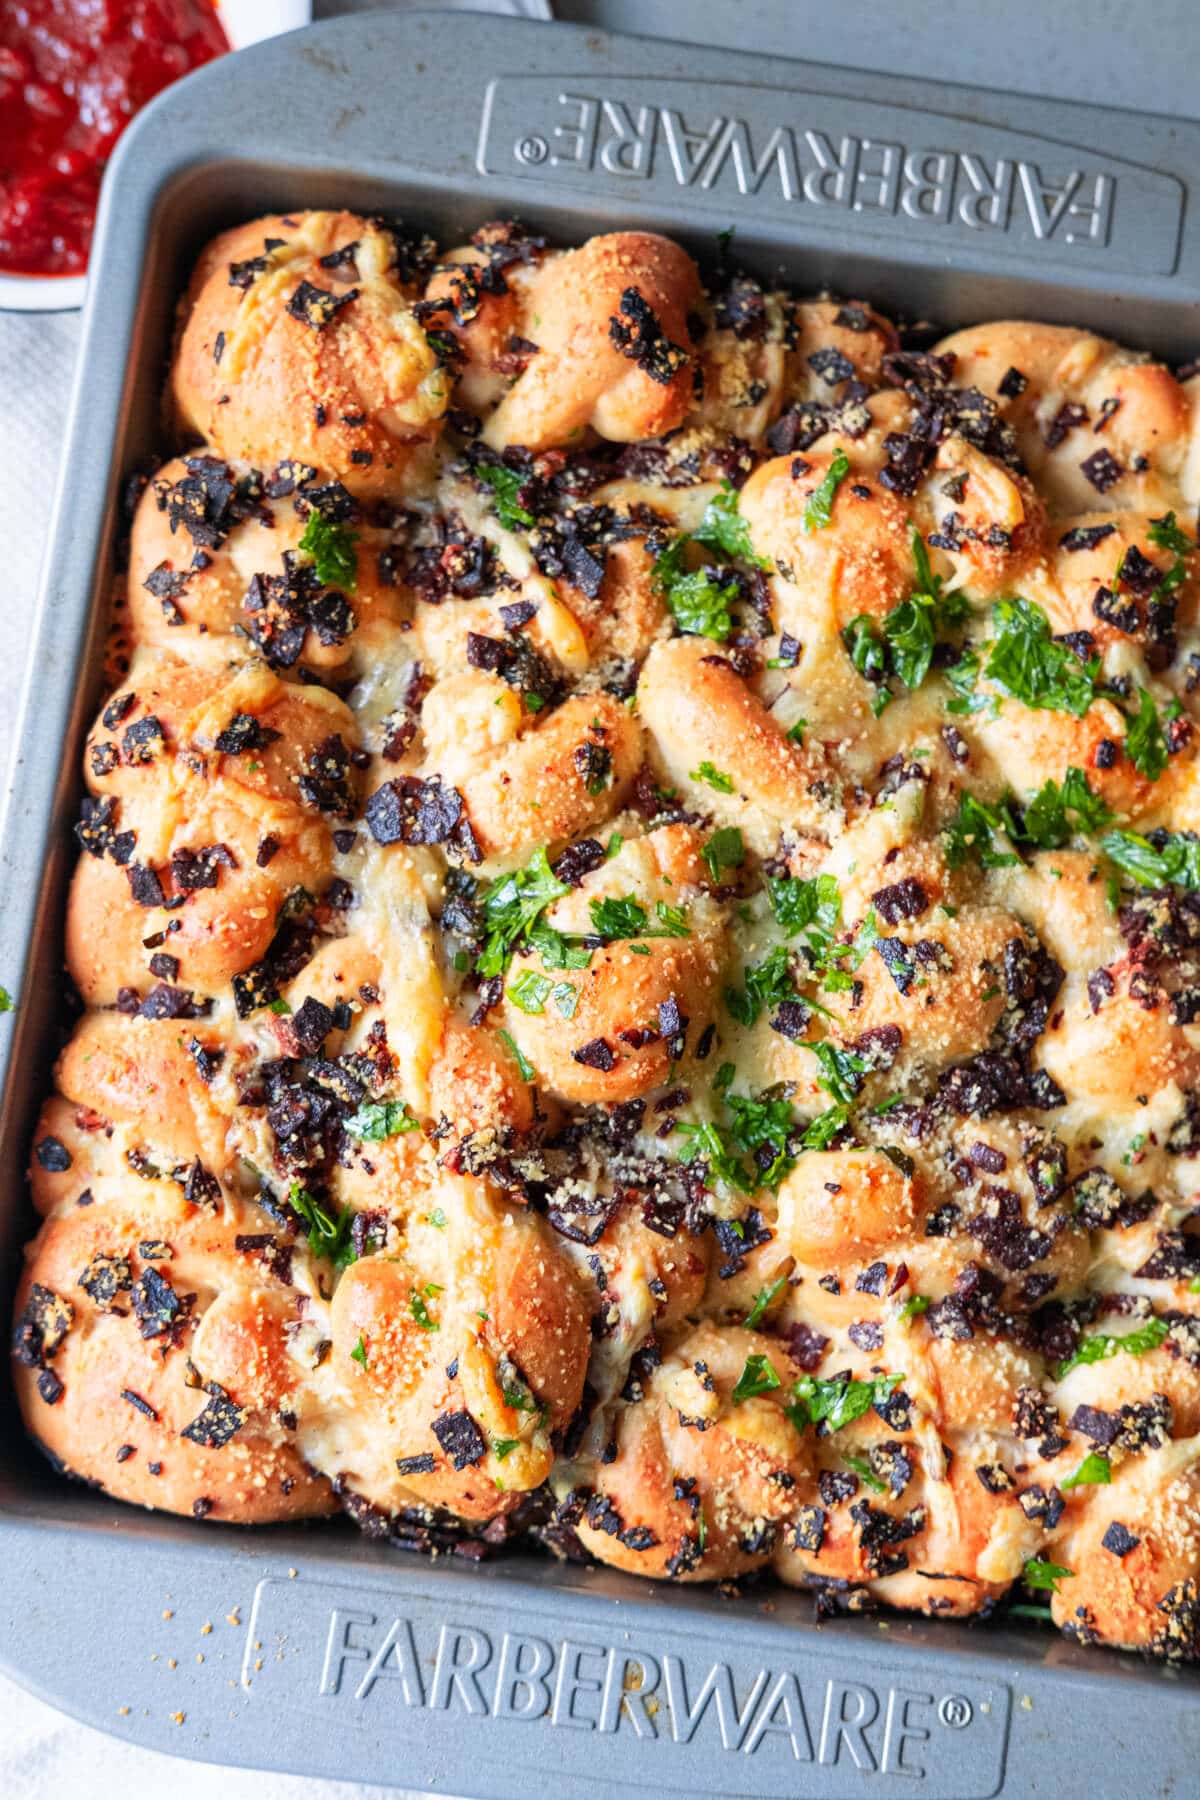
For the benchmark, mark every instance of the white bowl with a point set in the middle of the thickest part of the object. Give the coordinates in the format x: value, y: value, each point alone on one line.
x: 245, y: 22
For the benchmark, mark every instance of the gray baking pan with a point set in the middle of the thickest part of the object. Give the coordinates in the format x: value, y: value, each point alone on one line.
x: 314, y: 1650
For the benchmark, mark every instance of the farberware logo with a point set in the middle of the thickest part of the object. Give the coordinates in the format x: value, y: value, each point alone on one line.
x: 507, y: 1673
x: 936, y: 177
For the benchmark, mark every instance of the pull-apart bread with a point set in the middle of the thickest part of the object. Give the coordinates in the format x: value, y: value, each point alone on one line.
x: 638, y: 923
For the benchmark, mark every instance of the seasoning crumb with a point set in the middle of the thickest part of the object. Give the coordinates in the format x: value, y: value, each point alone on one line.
x: 172, y: 1662
x: 168, y: 1613
x: 206, y: 1629
x: 179, y: 1717
x: 123, y: 1712
x: 234, y: 1617
x: 1027, y: 1702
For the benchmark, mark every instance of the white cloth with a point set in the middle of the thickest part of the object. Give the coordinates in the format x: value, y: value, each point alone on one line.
x: 46, y: 1756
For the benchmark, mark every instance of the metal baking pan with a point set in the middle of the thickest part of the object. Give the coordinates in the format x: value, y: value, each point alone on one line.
x: 322, y: 1652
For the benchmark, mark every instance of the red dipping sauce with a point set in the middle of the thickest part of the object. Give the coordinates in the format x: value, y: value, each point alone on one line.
x: 72, y: 75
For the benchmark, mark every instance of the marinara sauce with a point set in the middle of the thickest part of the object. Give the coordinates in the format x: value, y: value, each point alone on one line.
x: 72, y: 75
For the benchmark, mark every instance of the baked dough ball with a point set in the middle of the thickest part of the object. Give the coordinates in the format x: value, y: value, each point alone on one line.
x: 613, y: 1030
x: 614, y: 345
x: 702, y: 1482
x: 716, y: 742
x: 200, y: 586
x: 458, y: 1358
x: 298, y: 342
x: 1091, y: 419
x: 211, y: 806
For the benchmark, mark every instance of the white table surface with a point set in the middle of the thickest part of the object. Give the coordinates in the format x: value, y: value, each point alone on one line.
x: 1104, y: 51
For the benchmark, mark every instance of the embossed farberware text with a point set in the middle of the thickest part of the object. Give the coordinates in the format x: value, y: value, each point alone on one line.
x: 401, y: 1663
x: 765, y: 152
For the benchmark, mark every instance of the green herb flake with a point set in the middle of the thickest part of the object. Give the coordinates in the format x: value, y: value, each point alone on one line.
x: 1145, y: 740
x: 359, y: 1352
x: 763, y: 1301
x: 715, y: 778
x: 530, y: 991
x: 818, y: 509
x: 419, y: 1310
x: 757, y: 1377
x: 723, y: 528
x: 839, y: 1400
x: 866, y: 1473
x: 1094, y: 1471
x: 1102, y: 1345
x: 328, y: 1233
x: 506, y: 485
x: 724, y: 850
x: 333, y: 549
x: 1038, y: 1573
x: 377, y: 1120
x: 511, y: 907
x: 1173, y: 858
x: 525, y: 1068
x: 1027, y: 662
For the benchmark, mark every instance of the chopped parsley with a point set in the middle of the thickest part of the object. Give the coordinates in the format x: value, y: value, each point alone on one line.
x: 812, y: 908
x: 7, y: 1002
x: 512, y: 905
x: 1055, y: 813
x: 1038, y: 1573
x: 868, y: 652
x: 723, y: 528
x: 626, y: 917
x: 332, y: 548
x: 359, y: 1352
x: 974, y: 831
x: 762, y: 1127
x: 1032, y: 666
x: 1169, y: 857
x: 1094, y: 1471
x: 700, y: 602
x: 763, y: 1301
x: 1145, y: 740
x: 841, y: 1071
x: 759, y: 1376
x: 1165, y: 534
x: 913, y: 1308
x: 700, y: 599
x: 818, y: 508
x: 328, y: 1233
x: 376, y: 1120
x: 765, y: 985
x: 1101, y: 1346
x: 724, y: 850
x: 837, y: 1401
x: 525, y: 1068
x: 714, y: 778
x: 866, y: 1473
x: 820, y: 1132
x: 418, y: 1308
x: 530, y: 991
x: 506, y: 485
